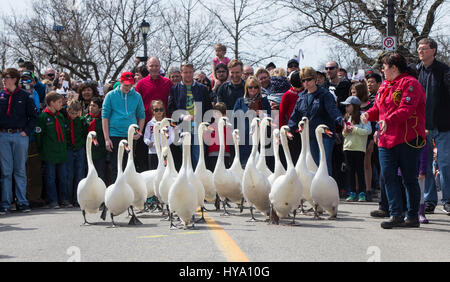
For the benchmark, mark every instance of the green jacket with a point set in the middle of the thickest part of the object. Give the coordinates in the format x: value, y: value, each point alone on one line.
x: 51, y: 149
x: 80, y: 129
x: 98, y: 152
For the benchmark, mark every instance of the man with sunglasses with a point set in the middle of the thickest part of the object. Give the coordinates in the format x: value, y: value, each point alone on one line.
x: 339, y: 86
x: 40, y: 88
x: 50, y: 74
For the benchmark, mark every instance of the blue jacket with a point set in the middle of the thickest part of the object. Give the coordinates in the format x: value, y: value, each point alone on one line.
x: 178, y: 94
x: 122, y: 110
x: 245, y: 150
x: 319, y: 107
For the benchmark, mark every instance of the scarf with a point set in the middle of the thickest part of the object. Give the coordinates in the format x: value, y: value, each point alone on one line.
x: 92, y: 124
x: 388, y: 87
x: 58, y: 127
x: 8, y: 112
x: 253, y: 103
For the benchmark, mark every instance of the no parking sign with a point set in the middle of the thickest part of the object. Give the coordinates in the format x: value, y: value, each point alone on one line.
x: 390, y: 43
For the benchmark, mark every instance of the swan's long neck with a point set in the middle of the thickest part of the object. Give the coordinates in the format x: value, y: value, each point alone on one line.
x: 276, y: 148
x: 186, y: 157
x: 221, y: 158
x: 255, y: 141
x: 305, y: 145
x: 263, y: 132
x: 165, y: 144
x: 306, y: 130
x: 120, y: 160
x: 201, y: 162
x: 130, y: 144
x: 157, y: 135
x: 89, y: 152
x: 286, y: 150
x: 237, y: 156
x: 323, y: 168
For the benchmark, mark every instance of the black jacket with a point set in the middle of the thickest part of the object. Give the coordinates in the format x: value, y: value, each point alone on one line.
x: 178, y: 95
x: 229, y: 93
x: 23, y: 114
x: 436, y: 82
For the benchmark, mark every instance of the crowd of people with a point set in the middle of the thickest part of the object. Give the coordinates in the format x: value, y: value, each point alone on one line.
x: 391, y: 129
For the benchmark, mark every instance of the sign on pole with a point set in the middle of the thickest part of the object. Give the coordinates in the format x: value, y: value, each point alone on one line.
x: 390, y: 43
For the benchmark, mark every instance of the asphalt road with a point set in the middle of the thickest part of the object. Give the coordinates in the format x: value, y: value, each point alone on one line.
x: 57, y: 236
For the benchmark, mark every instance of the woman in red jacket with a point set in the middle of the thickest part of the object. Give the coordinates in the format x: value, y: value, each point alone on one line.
x: 400, y: 111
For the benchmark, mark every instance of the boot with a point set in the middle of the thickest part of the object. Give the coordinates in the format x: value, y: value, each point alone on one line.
x: 422, y: 218
x: 394, y: 221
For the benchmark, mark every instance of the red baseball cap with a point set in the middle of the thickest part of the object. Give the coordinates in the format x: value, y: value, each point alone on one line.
x: 127, y: 78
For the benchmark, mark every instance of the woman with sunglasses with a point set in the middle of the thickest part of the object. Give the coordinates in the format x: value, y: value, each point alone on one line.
x: 254, y: 101
x: 319, y: 106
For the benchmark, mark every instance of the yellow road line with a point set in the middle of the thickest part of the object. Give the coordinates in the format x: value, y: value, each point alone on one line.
x: 153, y: 236
x: 225, y: 243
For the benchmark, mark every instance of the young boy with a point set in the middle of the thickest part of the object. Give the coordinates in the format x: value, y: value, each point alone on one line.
x: 94, y: 120
x: 76, y: 132
x: 212, y: 139
x: 51, y: 140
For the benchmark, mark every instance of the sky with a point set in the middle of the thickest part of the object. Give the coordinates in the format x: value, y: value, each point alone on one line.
x: 315, y: 49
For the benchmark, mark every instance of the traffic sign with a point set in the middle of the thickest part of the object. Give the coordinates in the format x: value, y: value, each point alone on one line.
x: 390, y: 43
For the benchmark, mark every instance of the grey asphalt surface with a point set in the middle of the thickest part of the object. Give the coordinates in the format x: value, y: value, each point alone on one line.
x: 57, y: 236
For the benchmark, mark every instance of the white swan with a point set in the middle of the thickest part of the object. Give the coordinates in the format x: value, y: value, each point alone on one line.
x: 255, y: 186
x: 170, y: 173
x: 236, y: 167
x: 151, y: 175
x: 286, y: 191
x: 202, y: 173
x: 134, y: 179
x: 261, y: 165
x: 304, y: 173
x: 165, y: 123
x: 324, y: 189
x: 119, y: 196
x: 228, y: 183
x: 90, y: 190
x: 310, y: 163
x: 183, y: 197
x: 279, y: 168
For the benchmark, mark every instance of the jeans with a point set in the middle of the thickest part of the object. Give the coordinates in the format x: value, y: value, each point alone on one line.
x: 56, y: 174
x: 355, y: 165
x: 76, y: 170
x: 13, y: 156
x: 407, y: 159
x: 442, y: 140
x: 328, y: 143
x: 100, y: 166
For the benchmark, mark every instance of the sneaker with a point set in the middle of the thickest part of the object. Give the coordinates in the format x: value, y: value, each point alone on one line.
x: 429, y: 208
x: 379, y: 214
x: 446, y: 208
x: 3, y: 211
x: 362, y: 197
x: 394, y: 221
x: 351, y: 198
x: 24, y: 209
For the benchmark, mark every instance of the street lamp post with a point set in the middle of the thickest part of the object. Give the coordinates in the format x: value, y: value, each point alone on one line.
x: 145, y: 27
x: 58, y: 29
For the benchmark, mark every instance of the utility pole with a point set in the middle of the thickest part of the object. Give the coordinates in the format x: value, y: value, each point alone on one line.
x: 391, y: 18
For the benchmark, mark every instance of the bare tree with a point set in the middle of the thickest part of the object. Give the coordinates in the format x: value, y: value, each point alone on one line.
x: 360, y: 25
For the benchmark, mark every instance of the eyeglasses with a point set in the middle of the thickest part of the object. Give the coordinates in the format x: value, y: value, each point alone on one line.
x: 330, y: 68
x: 423, y: 49
x: 248, y: 73
x: 293, y: 66
x: 51, y: 75
x: 158, y: 110
x: 7, y: 77
x: 307, y: 80
x: 253, y: 87
x: 221, y: 71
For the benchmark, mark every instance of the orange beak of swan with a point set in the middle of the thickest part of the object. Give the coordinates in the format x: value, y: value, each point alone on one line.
x: 94, y: 140
x: 328, y: 132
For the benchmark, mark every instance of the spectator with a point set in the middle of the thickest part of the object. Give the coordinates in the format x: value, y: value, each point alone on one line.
x: 338, y: 86
x: 159, y: 113
x: 221, y: 51
x: 94, y: 121
x: 355, y: 141
x: 373, y: 81
x: 175, y: 75
x: 50, y: 74
x: 271, y: 66
x: 86, y: 92
x: 248, y: 71
x: 39, y: 87
x: 17, y: 119
x: 435, y: 79
x: 51, y: 140
x: 222, y: 74
x: 28, y: 83
x: 188, y: 95
x: 287, y: 105
x: 264, y: 78
x: 292, y: 65
x: 254, y: 101
x: 321, y: 79
x: 141, y: 72
x: 77, y: 129
x: 342, y: 73
x: 400, y: 110
x: 318, y: 105
x: 229, y: 92
x: 122, y: 107
x: 212, y: 139
x: 201, y: 78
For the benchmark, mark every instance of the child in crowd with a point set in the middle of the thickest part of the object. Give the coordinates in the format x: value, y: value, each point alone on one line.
x: 51, y: 140
x: 212, y: 139
x: 221, y: 51
x: 94, y: 121
x: 76, y: 153
x: 355, y: 141
x: 158, y: 113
